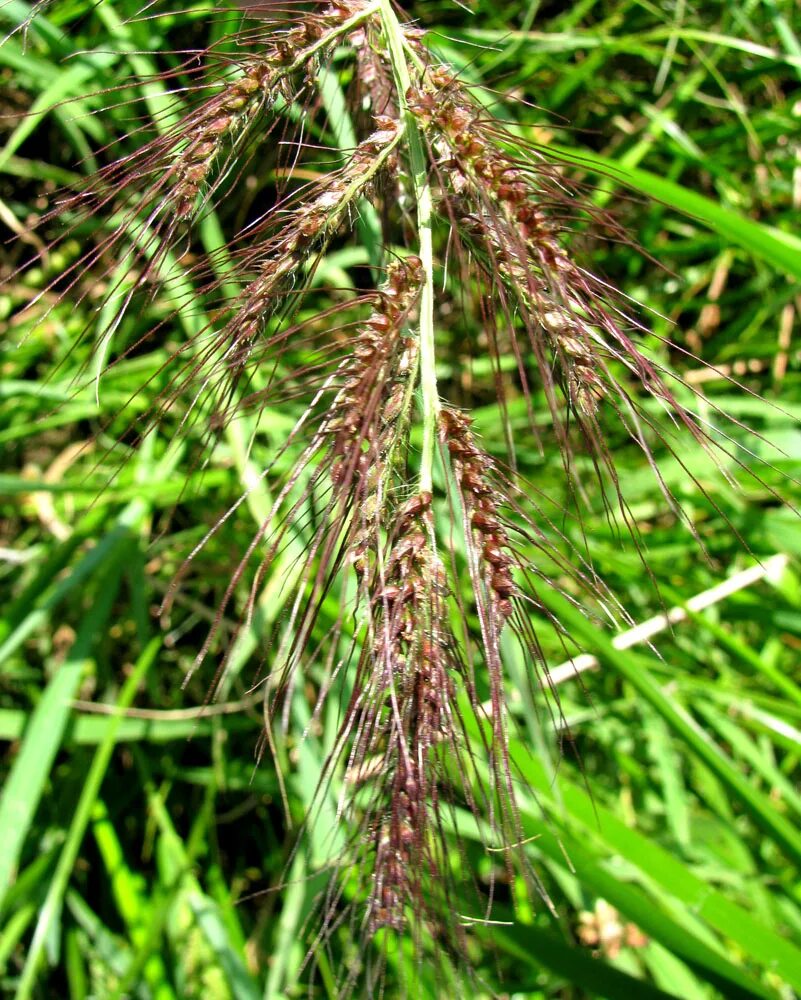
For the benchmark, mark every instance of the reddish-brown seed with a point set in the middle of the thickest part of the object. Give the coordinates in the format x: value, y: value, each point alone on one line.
x: 495, y: 555
x: 503, y: 584
x: 415, y: 505
x: 474, y: 483
x: 379, y: 322
x: 484, y: 522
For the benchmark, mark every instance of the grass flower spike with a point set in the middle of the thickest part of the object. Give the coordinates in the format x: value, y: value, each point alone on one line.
x: 339, y: 373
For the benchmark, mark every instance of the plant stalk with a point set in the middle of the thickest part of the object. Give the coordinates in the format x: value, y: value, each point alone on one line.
x: 424, y: 201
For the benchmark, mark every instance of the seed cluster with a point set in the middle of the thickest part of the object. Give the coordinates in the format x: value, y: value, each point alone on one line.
x: 240, y: 100
x: 471, y: 467
x: 310, y: 30
x: 511, y: 221
x: 365, y: 415
x: 231, y: 107
x: 411, y: 645
x: 309, y: 225
x: 375, y: 362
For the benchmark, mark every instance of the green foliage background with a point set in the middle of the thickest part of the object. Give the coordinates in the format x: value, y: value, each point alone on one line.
x: 137, y: 841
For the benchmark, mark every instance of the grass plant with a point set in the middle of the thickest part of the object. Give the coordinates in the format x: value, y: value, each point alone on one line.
x: 369, y: 373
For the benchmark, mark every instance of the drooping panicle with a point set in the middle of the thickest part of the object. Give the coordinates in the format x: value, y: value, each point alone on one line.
x: 471, y: 467
x: 415, y: 688
x: 373, y: 406
x: 281, y: 260
x: 501, y: 204
x: 265, y: 79
x: 310, y: 224
x: 231, y: 110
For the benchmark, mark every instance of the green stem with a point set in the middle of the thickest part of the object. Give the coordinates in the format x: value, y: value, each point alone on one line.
x: 424, y: 200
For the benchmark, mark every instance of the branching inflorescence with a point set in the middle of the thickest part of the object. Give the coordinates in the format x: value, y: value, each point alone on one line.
x: 375, y: 526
